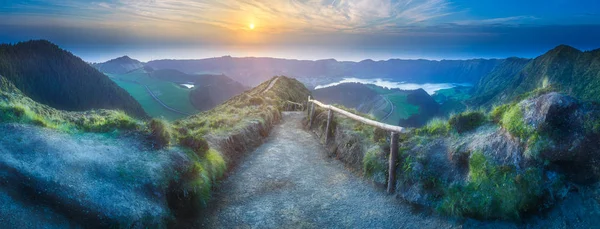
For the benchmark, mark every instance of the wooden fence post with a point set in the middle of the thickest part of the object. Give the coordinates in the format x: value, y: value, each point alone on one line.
x: 329, y: 117
x: 308, y: 106
x: 312, y: 113
x: 392, y: 163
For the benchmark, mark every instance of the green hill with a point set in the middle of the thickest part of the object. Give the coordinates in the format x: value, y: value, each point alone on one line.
x: 563, y: 69
x: 55, y: 77
x: 119, y: 65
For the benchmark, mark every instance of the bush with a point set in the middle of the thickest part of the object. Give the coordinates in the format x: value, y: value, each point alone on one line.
x: 466, y: 121
x: 498, y: 111
x: 255, y: 101
x: 215, y: 164
x: 372, y: 163
x: 195, y: 142
x: 159, y: 133
x: 116, y: 120
x: 434, y: 127
x: 493, y: 192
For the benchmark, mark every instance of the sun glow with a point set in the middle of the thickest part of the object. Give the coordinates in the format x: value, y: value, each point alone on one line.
x: 251, y: 26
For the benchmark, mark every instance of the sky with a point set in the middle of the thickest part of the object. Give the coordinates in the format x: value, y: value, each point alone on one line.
x: 304, y: 29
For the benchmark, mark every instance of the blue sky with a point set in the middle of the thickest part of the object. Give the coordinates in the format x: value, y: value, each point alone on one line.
x: 304, y: 29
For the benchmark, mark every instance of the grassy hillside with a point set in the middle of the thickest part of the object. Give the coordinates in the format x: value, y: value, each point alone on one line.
x: 139, y: 81
x: 55, y: 77
x: 15, y: 107
x: 166, y: 84
x: 563, y: 69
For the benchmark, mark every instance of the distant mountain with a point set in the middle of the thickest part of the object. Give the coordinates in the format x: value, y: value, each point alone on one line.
x: 351, y: 95
x: 409, y: 108
x: 428, y: 108
x: 55, y: 77
x: 251, y: 70
x: 209, y: 90
x: 119, y: 65
x: 563, y: 68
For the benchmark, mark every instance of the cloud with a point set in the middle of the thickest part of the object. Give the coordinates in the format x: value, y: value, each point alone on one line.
x: 498, y: 21
x: 273, y: 16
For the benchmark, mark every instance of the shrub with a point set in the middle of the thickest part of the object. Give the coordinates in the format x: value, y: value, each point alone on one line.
x: 380, y: 135
x: 493, y: 192
x: 195, y: 142
x: 215, y: 164
x: 115, y: 120
x: 159, y: 133
x: 10, y: 113
x: 466, y: 121
x: 255, y: 101
x: 498, y: 111
x: 435, y: 127
x: 372, y: 163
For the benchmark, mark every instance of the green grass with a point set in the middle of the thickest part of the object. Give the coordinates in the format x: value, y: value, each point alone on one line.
x: 402, y: 108
x: 512, y: 121
x: 467, y: 121
x: 95, y: 121
x: 493, y: 192
x: 435, y: 127
x: 160, y: 133
x: 460, y: 93
x: 372, y: 163
x: 169, y: 93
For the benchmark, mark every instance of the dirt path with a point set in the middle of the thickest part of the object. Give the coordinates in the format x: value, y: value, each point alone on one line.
x: 271, y: 85
x: 289, y: 182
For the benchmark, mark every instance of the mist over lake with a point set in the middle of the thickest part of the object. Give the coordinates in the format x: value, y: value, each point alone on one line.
x: 430, y: 88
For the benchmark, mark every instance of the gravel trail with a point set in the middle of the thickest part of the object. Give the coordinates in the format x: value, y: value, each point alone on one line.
x: 289, y: 182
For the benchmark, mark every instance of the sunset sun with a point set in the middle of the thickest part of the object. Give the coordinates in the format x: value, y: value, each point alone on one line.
x: 251, y: 26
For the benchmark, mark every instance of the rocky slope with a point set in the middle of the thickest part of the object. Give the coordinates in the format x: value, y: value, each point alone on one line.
x: 531, y: 163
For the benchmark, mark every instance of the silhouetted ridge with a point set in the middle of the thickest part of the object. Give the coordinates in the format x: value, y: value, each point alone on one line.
x: 55, y: 77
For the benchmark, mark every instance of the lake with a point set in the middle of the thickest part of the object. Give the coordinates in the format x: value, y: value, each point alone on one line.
x: 430, y: 88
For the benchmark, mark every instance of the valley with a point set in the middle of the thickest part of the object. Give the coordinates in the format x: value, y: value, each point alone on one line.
x: 208, y: 151
x: 159, y: 98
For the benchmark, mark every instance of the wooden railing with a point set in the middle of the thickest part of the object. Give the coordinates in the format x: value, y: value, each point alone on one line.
x: 293, y: 106
x: 395, y: 130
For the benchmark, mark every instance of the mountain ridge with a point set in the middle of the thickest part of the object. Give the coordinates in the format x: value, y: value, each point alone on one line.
x: 563, y: 68
x: 55, y: 77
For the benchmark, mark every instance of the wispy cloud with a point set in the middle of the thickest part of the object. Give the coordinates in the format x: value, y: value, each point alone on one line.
x: 499, y: 21
x: 269, y: 15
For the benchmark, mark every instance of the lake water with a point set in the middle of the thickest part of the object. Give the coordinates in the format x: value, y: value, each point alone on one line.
x: 428, y: 87
x: 190, y: 86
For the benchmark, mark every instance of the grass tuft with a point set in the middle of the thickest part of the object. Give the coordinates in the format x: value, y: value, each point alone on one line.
x: 467, y: 121
x: 512, y: 120
x: 160, y: 133
x: 435, y: 127
x: 372, y: 163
